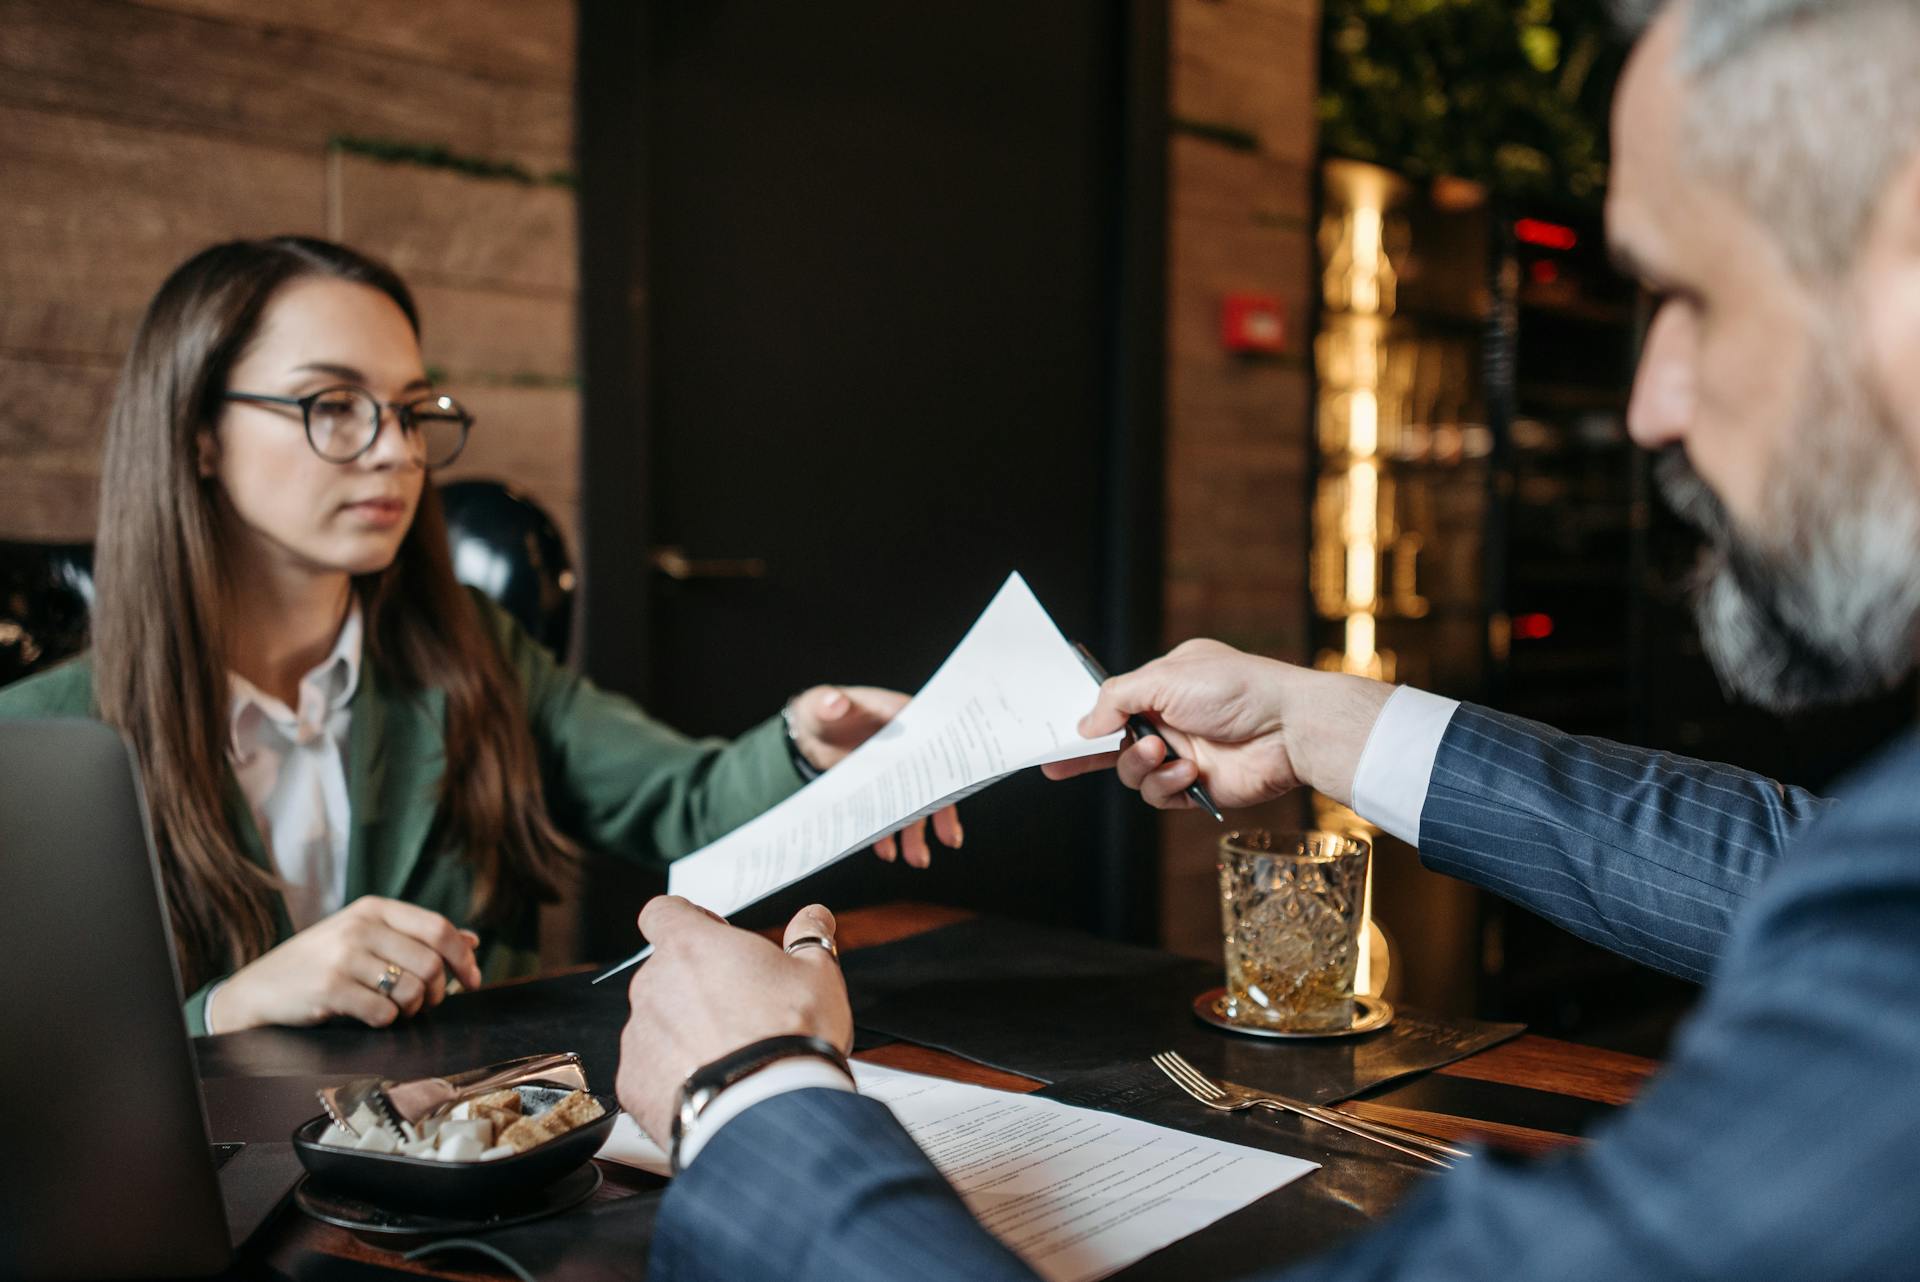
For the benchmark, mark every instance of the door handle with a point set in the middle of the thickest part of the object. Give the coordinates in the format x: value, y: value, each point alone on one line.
x: 681, y: 568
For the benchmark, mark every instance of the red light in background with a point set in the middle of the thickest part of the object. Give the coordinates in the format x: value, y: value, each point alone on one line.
x: 1532, y: 627
x: 1253, y: 324
x: 1533, y: 231
x: 1544, y: 271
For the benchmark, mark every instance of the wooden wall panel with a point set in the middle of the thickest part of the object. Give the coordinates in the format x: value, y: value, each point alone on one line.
x: 1243, y: 405
x: 48, y: 502
x: 55, y: 411
x: 528, y: 437
x: 1252, y: 65
x: 435, y: 225
x: 267, y: 83
x: 1208, y: 180
x: 51, y: 419
x: 528, y: 40
x: 134, y: 132
x: 97, y: 212
x: 497, y: 335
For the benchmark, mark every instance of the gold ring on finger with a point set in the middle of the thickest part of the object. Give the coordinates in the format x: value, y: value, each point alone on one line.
x: 388, y: 980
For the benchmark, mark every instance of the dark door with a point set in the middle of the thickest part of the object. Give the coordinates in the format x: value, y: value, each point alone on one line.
x: 894, y: 277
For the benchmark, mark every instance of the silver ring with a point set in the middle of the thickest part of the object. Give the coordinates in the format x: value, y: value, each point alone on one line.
x: 822, y: 942
x: 388, y: 980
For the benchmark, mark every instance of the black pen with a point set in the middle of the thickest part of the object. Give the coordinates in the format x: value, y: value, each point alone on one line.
x: 1140, y: 728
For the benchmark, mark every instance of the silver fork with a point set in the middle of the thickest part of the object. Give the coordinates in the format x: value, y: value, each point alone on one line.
x: 1331, y: 1117
x: 1232, y: 1099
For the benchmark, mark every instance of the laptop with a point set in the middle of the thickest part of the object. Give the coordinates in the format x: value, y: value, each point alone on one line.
x: 106, y: 1168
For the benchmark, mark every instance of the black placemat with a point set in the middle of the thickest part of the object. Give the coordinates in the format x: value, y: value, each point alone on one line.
x: 1358, y: 1182
x: 1509, y: 1105
x: 1050, y: 1004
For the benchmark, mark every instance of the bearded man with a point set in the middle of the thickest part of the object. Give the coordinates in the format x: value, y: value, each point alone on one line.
x: 1766, y: 190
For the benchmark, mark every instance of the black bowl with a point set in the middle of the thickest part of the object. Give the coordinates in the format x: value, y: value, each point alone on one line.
x: 455, y: 1188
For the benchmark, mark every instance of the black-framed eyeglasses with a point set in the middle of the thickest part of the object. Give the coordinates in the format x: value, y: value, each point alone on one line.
x: 343, y: 422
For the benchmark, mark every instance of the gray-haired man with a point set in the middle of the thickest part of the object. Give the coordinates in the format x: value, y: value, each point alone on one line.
x: 1767, y: 188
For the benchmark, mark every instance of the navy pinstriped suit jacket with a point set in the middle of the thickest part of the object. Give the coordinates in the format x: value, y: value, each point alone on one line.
x: 1782, y: 1142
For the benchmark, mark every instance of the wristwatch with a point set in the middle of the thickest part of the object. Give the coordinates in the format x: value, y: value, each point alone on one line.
x: 704, y: 1084
x: 808, y: 771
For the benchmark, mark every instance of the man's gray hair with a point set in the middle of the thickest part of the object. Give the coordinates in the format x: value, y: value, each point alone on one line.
x: 1806, y: 109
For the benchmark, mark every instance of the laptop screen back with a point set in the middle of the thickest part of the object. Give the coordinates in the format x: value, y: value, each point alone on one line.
x: 104, y: 1168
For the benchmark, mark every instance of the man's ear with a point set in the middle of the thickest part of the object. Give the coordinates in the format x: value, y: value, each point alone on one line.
x: 1886, y: 298
x: 206, y: 450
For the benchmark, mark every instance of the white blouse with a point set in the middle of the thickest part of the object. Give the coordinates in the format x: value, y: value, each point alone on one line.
x: 292, y: 768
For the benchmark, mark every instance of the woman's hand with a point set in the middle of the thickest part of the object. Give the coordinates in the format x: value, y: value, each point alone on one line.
x: 334, y: 967
x: 831, y: 721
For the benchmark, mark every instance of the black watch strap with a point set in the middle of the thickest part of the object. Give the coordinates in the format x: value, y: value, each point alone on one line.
x: 807, y: 771
x: 704, y: 1084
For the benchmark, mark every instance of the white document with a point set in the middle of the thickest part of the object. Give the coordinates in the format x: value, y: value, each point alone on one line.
x: 1076, y: 1193
x: 1008, y: 697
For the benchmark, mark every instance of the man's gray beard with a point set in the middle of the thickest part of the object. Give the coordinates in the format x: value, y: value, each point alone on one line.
x: 1822, y: 606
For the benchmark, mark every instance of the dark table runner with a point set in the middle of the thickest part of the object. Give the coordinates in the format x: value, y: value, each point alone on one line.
x: 1051, y: 1004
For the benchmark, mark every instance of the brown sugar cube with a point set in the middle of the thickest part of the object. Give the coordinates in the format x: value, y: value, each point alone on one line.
x: 576, y: 1109
x: 522, y: 1135
x: 498, y: 1109
x: 507, y: 1101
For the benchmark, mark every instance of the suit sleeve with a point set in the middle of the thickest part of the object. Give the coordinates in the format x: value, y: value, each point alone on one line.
x: 1777, y: 1143
x: 1645, y: 853
x: 820, y: 1186
x: 622, y: 782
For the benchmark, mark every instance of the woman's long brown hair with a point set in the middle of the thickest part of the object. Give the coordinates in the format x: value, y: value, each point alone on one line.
x: 160, y: 654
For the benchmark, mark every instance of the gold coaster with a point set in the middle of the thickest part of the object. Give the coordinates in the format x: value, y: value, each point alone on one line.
x: 1369, y: 1014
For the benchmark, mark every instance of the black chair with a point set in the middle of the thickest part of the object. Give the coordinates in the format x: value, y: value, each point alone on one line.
x: 46, y: 595
x: 502, y: 543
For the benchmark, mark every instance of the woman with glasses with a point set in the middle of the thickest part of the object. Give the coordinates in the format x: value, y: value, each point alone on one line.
x: 362, y: 779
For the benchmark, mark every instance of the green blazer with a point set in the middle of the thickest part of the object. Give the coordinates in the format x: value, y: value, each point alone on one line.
x: 616, y: 780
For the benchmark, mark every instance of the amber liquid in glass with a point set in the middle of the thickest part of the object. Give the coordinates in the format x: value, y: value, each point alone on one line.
x: 1290, y: 923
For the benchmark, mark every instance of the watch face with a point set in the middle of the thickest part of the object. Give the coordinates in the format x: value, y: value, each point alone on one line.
x: 686, y: 1110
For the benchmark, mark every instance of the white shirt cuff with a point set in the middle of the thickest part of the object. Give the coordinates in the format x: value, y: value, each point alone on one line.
x: 1396, y: 767
x: 796, y: 1074
x: 206, y: 1007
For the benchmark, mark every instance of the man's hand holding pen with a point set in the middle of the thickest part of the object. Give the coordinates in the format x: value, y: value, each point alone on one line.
x: 1139, y: 729
x: 1249, y: 728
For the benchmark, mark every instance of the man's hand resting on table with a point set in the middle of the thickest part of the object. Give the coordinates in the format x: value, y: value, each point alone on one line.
x: 710, y: 989
x: 1249, y: 728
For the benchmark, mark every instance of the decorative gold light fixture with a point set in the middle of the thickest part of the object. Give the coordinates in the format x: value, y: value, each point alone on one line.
x: 1360, y: 287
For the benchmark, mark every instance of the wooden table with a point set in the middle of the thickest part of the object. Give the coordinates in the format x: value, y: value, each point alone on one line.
x: 1535, y: 1063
